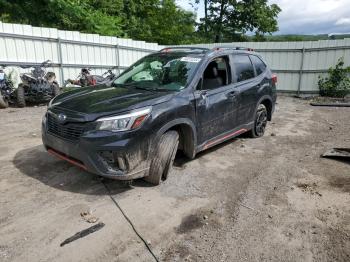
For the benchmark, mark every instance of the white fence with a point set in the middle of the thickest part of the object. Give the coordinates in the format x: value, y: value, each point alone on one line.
x: 68, y: 50
x: 297, y: 64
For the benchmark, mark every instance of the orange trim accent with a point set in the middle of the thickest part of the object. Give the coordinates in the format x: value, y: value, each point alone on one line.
x: 56, y: 154
x: 224, y: 137
x: 138, y: 121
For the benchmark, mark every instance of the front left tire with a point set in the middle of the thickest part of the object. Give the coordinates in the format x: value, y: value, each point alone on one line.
x: 164, y: 158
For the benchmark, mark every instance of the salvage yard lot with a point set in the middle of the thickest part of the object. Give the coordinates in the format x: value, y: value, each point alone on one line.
x: 265, y: 199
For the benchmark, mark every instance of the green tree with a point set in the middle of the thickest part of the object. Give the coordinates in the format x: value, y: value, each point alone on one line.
x: 158, y: 21
x: 230, y: 20
x: 83, y: 15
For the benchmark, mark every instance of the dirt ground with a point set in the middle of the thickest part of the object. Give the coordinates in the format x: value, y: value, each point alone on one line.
x: 266, y: 199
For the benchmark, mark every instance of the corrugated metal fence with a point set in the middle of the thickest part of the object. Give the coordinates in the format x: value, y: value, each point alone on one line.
x: 298, y: 64
x: 68, y: 50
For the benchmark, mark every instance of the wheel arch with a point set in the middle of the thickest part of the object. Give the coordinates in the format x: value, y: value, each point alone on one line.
x: 187, y: 135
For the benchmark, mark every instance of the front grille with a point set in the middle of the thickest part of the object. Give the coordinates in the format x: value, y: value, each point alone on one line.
x: 68, y: 131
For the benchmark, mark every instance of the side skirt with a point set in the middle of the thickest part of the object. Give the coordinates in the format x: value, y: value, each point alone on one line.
x: 225, y: 136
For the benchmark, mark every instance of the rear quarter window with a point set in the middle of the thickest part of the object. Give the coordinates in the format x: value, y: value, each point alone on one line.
x: 243, y: 68
x: 259, y: 65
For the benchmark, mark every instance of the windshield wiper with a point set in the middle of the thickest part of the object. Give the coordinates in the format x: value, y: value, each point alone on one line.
x: 161, y: 89
x: 120, y: 85
x: 134, y: 85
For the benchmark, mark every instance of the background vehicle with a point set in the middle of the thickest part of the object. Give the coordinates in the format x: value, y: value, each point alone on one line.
x: 6, y: 89
x: 187, y: 99
x: 86, y: 79
x: 38, y: 86
x: 106, y: 78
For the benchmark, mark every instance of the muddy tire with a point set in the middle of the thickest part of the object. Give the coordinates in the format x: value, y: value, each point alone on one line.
x: 3, y: 102
x: 56, y: 89
x: 260, y: 122
x: 164, y: 158
x: 21, y: 101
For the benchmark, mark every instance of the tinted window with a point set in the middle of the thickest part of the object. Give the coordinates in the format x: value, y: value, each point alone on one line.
x: 244, y: 67
x: 216, y: 74
x: 258, y: 64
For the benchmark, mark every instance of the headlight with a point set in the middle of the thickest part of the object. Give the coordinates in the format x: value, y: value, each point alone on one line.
x: 124, y: 122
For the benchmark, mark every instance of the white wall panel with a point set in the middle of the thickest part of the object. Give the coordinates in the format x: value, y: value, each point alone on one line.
x: 100, y: 53
x: 31, y: 49
x: 287, y: 56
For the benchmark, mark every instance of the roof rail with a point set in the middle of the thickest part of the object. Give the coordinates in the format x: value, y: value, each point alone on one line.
x: 232, y: 48
x: 189, y: 48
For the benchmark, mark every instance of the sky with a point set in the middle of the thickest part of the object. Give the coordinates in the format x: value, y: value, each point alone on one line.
x: 305, y: 16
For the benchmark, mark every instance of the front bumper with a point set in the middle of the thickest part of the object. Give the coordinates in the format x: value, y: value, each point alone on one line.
x: 113, y: 155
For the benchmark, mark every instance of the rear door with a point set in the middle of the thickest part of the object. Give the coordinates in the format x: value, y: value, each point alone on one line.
x: 216, y: 103
x: 248, y: 85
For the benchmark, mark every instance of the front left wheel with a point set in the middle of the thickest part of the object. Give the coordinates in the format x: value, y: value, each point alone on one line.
x: 164, y: 158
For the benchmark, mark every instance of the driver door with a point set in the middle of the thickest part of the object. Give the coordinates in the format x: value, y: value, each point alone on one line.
x: 216, y: 103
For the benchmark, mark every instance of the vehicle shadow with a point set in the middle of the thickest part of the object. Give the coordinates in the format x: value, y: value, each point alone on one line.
x: 35, y: 162
x: 181, y: 160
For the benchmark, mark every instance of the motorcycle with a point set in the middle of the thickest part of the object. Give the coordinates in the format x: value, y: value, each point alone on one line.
x: 107, y: 77
x: 39, y: 86
x: 86, y: 79
x: 6, y: 89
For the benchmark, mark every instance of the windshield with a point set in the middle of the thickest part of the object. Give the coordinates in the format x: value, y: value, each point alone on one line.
x: 160, y: 71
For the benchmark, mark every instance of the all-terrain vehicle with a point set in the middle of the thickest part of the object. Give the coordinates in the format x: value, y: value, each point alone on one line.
x: 6, y: 89
x: 180, y: 98
x: 39, y: 86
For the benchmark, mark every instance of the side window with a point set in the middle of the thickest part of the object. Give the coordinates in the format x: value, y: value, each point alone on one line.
x: 244, y: 67
x: 258, y: 64
x: 217, y: 73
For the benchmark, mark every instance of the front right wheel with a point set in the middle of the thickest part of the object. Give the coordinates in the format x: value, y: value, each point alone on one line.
x: 260, y: 122
x: 164, y: 157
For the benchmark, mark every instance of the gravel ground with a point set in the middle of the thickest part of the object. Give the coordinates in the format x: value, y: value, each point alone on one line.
x: 266, y: 199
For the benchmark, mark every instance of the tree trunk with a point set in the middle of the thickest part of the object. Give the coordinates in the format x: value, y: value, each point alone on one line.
x: 219, y: 28
x: 206, y: 17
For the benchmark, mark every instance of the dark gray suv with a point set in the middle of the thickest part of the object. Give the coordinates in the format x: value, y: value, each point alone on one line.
x: 179, y: 98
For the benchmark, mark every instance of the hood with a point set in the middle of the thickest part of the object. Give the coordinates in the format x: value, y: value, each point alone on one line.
x: 91, y: 103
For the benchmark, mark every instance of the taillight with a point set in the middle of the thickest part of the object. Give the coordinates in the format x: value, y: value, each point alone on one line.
x: 274, y: 79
